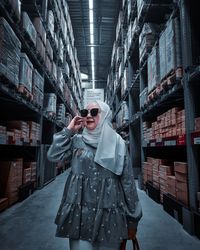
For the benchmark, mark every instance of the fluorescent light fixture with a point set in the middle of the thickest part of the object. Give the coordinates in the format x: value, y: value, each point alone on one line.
x: 90, y: 4
x: 92, y: 39
x: 91, y: 21
x: 91, y: 15
x: 91, y: 29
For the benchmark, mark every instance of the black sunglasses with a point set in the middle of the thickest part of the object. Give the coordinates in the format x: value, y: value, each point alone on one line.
x: 93, y: 112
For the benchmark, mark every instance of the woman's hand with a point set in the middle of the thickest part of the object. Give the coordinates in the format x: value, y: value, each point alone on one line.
x: 76, y: 123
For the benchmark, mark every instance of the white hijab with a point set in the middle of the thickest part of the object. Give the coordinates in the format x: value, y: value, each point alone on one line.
x: 110, y: 146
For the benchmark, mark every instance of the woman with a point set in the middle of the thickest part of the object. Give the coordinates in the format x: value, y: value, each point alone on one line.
x: 100, y: 205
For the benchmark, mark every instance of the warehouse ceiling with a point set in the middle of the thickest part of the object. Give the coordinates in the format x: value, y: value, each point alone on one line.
x: 105, y: 20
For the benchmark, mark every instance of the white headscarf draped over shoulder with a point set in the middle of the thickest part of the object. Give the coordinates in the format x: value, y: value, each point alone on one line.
x: 110, y: 146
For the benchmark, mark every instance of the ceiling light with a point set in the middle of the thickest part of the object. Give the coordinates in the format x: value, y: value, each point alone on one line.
x: 91, y: 16
x: 90, y: 4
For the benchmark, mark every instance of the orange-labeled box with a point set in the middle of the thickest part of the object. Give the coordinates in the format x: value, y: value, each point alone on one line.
x: 181, y: 186
x: 167, y: 170
x: 180, y: 167
x: 181, y: 177
x: 171, y: 180
x: 182, y: 196
x: 171, y: 190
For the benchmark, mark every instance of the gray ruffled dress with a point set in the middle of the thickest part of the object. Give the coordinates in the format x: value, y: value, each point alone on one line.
x: 97, y: 205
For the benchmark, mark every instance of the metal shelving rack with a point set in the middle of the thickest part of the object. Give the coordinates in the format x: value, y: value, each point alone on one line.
x: 19, y: 108
x: 183, y: 92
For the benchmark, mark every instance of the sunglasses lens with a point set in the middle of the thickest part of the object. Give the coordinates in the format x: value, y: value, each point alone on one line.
x: 94, y: 112
x: 84, y: 112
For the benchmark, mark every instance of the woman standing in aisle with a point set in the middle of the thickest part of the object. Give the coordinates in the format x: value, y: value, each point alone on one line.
x: 100, y: 205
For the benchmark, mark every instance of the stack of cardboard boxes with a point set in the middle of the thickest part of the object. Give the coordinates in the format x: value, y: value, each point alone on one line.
x: 180, y: 169
x: 164, y: 172
x: 170, y: 123
x: 170, y: 179
x: 11, y: 179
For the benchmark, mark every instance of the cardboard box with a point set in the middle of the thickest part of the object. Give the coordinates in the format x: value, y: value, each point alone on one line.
x: 181, y: 186
x: 166, y: 170
x: 180, y: 167
x: 183, y: 197
x: 171, y: 180
x: 181, y: 177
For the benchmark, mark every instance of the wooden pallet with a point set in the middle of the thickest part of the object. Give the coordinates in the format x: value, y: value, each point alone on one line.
x: 24, y: 92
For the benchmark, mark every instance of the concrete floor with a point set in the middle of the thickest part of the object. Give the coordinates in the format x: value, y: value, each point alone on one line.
x: 29, y: 225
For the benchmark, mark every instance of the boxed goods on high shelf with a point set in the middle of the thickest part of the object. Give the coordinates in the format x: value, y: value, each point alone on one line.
x: 25, y: 72
x: 113, y: 52
x: 119, y: 54
x: 38, y: 88
x: 131, y: 6
x: 125, y: 49
x: 120, y: 72
x: 29, y: 28
x: 119, y: 25
x: 50, y: 22
x: 170, y: 48
x: 61, y: 113
x: 39, y: 27
x: 60, y: 79
x: 50, y: 103
x: 141, y: 6
x: 143, y: 97
x: 60, y: 50
x: 124, y: 82
x: 16, y: 7
x: 54, y: 71
x: 170, y: 123
x: 147, y: 39
x: 122, y: 116
x: 10, y: 48
x: 66, y: 70
x: 153, y: 69
x: 49, y: 50
x: 34, y: 131
x: 20, y: 130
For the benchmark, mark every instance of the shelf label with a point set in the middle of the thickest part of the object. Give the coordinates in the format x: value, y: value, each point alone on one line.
x: 18, y: 142
x: 152, y: 144
x: 170, y: 143
x: 197, y: 140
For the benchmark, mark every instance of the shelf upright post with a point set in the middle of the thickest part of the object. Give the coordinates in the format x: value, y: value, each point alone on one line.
x: 188, y: 98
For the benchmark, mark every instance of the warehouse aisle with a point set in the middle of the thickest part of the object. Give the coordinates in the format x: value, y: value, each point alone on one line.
x: 30, y: 225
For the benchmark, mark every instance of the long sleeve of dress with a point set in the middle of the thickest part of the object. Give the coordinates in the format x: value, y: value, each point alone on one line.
x: 133, y: 206
x: 61, y: 147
